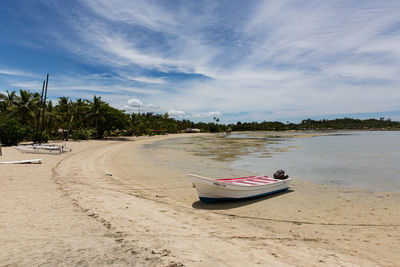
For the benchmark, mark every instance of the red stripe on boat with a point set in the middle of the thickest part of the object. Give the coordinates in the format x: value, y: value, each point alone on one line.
x: 242, y: 178
x: 249, y: 181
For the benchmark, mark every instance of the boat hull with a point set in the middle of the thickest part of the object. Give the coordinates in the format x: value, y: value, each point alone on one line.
x: 40, y: 149
x: 208, y: 200
x: 210, y: 190
x: 27, y: 161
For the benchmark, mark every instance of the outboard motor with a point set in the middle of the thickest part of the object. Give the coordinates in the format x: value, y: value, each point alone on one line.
x: 280, y: 175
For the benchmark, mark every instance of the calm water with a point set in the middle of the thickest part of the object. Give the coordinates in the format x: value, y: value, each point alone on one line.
x: 369, y: 160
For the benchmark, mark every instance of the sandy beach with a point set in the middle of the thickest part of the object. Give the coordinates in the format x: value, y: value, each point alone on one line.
x: 127, y: 202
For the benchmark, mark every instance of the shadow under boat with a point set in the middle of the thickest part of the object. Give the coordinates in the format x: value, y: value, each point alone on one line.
x: 227, y: 204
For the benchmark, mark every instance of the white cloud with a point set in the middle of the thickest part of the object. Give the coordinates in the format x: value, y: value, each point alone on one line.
x: 143, y: 13
x: 365, y: 71
x: 105, y: 37
x: 143, y: 79
x: 152, y: 107
x: 134, y: 103
x: 12, y: 72
x: 30, y: 85
x: 206, y: 114
x: 177, y: 113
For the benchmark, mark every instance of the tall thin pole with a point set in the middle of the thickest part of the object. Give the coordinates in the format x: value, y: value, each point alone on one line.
x: 44, y: 108
x: 40, y: 108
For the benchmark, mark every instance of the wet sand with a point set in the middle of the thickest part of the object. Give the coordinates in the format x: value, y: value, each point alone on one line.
x: 128, y: 202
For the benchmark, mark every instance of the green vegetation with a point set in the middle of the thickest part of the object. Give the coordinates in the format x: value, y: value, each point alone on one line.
x: 84, y: 119
x: 309, y: 124
x: 80, y: 119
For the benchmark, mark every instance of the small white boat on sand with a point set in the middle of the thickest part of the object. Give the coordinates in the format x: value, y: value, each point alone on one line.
x: 26, y: 161
x: 214, y: 190
x: 42, y: 149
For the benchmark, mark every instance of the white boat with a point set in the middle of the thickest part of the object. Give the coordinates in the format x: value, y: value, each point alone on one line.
x: 26, y: 161
x: 42, y: 149
x: 213, y: 190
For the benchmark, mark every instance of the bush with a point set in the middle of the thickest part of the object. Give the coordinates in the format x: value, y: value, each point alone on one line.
x: 81, y: 135
x: 42, y: 137
x: 127, y: 132
x: 12, y: 132
x: 213, y: 128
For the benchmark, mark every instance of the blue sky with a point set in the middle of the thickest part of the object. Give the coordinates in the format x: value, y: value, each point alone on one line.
x: 235, y: 60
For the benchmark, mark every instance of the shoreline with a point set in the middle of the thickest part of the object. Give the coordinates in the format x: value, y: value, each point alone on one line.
x: 113, y: 202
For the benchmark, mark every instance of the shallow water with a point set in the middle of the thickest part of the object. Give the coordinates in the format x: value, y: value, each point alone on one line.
x: 362, y: 159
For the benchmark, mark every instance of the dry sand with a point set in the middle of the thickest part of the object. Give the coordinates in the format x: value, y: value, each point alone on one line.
x: 124, y: 202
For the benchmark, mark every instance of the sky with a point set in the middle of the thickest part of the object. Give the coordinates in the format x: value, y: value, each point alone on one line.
x: 234, y: 60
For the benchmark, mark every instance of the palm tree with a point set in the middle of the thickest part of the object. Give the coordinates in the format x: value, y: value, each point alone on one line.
x: 3, y: 105
x: 97, y: 114
x: 7, y: 101
x: 65, y: 111
x: 11, y: 97
x: 24, y: 107
x: 81, y: 108
x: 51, y: 120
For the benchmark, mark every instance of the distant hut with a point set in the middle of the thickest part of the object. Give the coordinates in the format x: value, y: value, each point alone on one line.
x: 192, y: 130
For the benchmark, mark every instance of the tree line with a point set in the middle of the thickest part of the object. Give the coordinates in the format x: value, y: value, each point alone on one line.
x: 81, y: 119
x: 84, y: 119
x: 309, y: 124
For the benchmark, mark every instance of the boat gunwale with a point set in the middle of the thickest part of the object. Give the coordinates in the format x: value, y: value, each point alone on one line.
x: 229, y: 186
